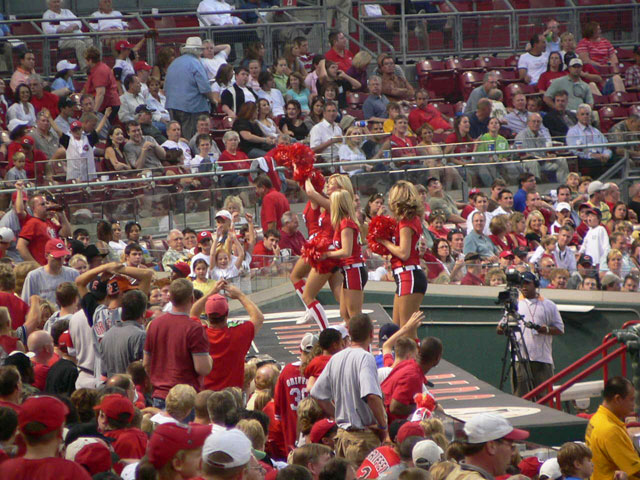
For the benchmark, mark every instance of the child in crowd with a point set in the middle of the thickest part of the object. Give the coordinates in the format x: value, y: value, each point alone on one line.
x: 498, y: 109
x: 546, y: 249
x: 222, y: 264
x: 17, y: 172
x: 436, y: 226
x: 596, y: 241
x: 202, y: 282
x: 575, y: 462
x: 280, y: 76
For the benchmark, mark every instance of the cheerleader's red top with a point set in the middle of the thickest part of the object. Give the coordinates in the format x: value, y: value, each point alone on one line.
x: 414, y: 256
x: 356, y: 252
x: 311, y: 217
x: 324, y: 224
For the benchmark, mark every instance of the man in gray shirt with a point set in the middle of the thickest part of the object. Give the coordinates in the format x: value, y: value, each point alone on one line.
x: 141, y: 151
x: 490, y: 81
x: 124, y: 343
x: 44, y: 281
x: 64, y: 119
x: 350, y: 379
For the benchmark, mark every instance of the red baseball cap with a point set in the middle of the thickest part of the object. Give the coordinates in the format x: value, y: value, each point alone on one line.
x: 169, y: 438
x: 14, y: 196
x: 181, y: 268
x: 217, y: 305
x: 90, y: 452
x: 76, y: 124
x: 48, y: 411
x: 409, y: 429
x: 55, y: 247
x: 530, y: 466
x: 320, y: 429
x: 65, y: 342
x: 506, y: 254
x: 123, y: 44
x: 204, y: 235
x: 114, y: 405
x: 27, y: 140
x: 142, y: 65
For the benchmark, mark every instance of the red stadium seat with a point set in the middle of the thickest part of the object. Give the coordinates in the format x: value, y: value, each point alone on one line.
x: 436, y: 76
x: 625, y: 54
x: 356, y: 99
x: 490, y: 63
x: 634, y: 110
x: 611, y: 115
x: 445, y: 109
x: 469, y: 81
x: 512, y: 90
x: 623, y: 98
x: 459, y: 64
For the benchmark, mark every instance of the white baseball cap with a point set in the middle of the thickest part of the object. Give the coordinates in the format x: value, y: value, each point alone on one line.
x: 308, y: 342
x: 232, y: 442
x: 65, y: 65
x: 342, y: 329
x: 6, y: 235
x: 484, y: 427
x: 597, y: 186
x: 425, y: 453
x: 563, y: 206
x: 550, y: 469
x: 15, y: 123
x: 224, y: 214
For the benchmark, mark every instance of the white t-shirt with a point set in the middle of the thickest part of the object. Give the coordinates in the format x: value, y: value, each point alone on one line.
x: 170, y: 144
x: 211, y: 65
x: 535, y: 66
x: 107, y: 23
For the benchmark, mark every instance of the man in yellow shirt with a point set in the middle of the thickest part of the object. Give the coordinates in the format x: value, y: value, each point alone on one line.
x: 613, y: 453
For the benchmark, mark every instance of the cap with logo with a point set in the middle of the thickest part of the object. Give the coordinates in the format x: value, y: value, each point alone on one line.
x: 425, y: 453
x: 409, y: 429
x: 123, y: 45
x: 506, y: 254
x: 55, y: 247
x: 320, y: 429
x: 142, y: 65
x: 65, y: 65
x: 27, y: 141
x: 91, y: 452
x: 144, y: 108
x: 308, y: 342
x: 202, y: 236
x: 76, y: 124
x: 181, y: 268
x: 386, y: 331
x: 575, y: 61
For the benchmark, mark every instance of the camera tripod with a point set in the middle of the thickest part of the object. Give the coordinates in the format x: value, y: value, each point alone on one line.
x: 513, y: 354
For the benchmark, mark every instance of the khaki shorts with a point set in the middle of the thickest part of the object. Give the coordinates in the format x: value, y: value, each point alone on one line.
x: 354, y: 446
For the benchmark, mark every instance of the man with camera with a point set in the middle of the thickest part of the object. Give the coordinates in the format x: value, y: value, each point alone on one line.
x: 540, y: 320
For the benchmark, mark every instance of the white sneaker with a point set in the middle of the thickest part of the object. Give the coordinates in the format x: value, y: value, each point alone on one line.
x: 306, y: 318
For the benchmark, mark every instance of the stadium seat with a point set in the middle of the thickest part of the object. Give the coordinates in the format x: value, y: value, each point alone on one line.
x: 625, y: 54
x: 490, y: 63
x: 445, y: 109
x: 356, y: 113
x: 634, y: 110
x: 507, y: 76
x: 356, y: 99
x: 468, y: 81
x: 436, y: 76
x: 624, y: 98
x: 459, y: 64
x: 610, y: 115
x: 512, y: 90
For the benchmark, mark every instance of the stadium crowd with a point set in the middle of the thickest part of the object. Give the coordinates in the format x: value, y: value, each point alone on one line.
x: 117, y: 344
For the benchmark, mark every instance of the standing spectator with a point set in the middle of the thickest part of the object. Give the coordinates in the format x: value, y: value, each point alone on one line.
x: 67, y: 108
x: 596, y: 241
x: 290, y: 237
x: 169, y: 358
x: 41, y: 99
x: 489, y: 82
x: 187, y: 87
x: 577, y: 90
x: 25, y: 69
x: 533, y: 63
x: 44, y: 281
x: 559, y: 120
x: 81, y: 165
x: 327, y: 133
x: 532, y: 137
x: 581, y: 135
x: 63, y: 81
x: 338, y: 53
x: 274, y: 204
x: 526, y: 184
x: 362, y: 422
x: 551, y: 36
x: 102, y: 84
x: 237, y: 94
x: 62, y: 376
x: 596, y: 50
x: 426, y: 113
x: 40, y: 343
x: 176, y: 252
x: 39, y: 229
x: 131, y: 99
x: 395, y: 87
x: 63, y: 24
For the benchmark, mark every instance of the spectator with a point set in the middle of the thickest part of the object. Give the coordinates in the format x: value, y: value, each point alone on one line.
x: 517, y: 118
x: 67, y: 109
x: 473, y: 263
x: 62, y: 376
x: 292, y: 123
x: 62, y: 24
x: 551, y: 36
x: 624, y: 131
x: 236, y: 95
x: 596, y: 50
x: 266, y: 252
x: 351, y: 150
x: 401, y: 144
x: 533, y: 137
x: 632, y: 75
x: 234, y: 159
x: 87, y: 106
x: 476, y: 241
x: 176, y: 251
x: 25, y: 69
x: 281, y: 74
x: 491, y: 141
x: 526, y: 184
x: 630, y: 283
x: 144, y: 117
x: 338, y: 53
x: 598, y: 158
x: 596, y: 242
x: 311, y: 80
x: 108, y: 19
x: 426, y: 113
x: 156, y: 102
x: 102, y: 84
x: 270, y: 93
x: 596, y: 191
x: 439, y: 200
x: 175, y: 141
x: 490, y: 81
x: 22, y: 110
x: 265, y: 120
x: 131, y: 99
x: 143, y: 72
x: 40, y: 343
x: 171, y: 359
x: 216, y: 12
x: 533, y: 63
x: 395, y: 87
x: 79, y: 143
x: 142, y: 152
x: 41, y: 99
x: 290, y: 237
x: 213, y: 57
x: 559, y: 120
x: 44, y: 281
x: 297, y: 90
x: 498, y: 110
x: 327, y: 133
x: 460, y: 142
x: 577, y: 90
x: 252, y: 139
x: 115, y: 415
x: 555, y: 69
x: 479, y: 120
x: 358, y: 69
x: 332, y: 78
x: 375, y: 106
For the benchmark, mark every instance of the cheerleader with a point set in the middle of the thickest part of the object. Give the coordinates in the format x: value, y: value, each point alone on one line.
x: 346, y: 239
x: 411, y: 281
x: 317, y: 219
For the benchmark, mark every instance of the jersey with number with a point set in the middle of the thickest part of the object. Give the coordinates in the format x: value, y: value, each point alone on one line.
x: 311, y: 217
x: 414, y: 256
x: 356, y: 251
x: 291, y: 388
x: 378, y: 461
x: 324, y: 222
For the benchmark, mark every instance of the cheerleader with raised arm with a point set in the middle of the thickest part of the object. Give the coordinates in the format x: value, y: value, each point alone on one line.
x: 348, y: 249
x: 411, y: 281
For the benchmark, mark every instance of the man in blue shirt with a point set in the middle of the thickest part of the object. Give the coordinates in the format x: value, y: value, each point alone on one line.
x: 187, y: 87
x: 476, y: 241
x: 375, y: 106
x: 527, y: 183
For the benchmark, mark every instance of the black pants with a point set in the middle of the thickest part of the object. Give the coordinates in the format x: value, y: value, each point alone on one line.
x: 540, y: 371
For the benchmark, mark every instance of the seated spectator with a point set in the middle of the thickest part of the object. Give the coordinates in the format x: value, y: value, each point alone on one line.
x: 156, y: 102
x: 372, y: 146
x: 555, y: 69
x: 269, y: 92
x: 274, y: 204
x: 238, y: 94
x: 327, y: 133
x: 439, y: 200
x: 395, y: 87
x: 350, y: 151
x: 559, y: 120
x: 213, y: 57
x: 216, y: 12
x: 143, y: 72
x: 400, y: 143
x: 142, y: 152
x: 493, y: 142
x: 254, y: 74
x: 144, y: 116
x: 45, y: 137
x: 583, y: 134
x: 532, y: 137
x: 114, y: 159
x: 265, y: 120
x: 375, y: 106
x: 292, y: 123
x: 338, y: 53
x: 498, y: 110
x: 632, y: 75
x: 479, y: 120
x: 473, y: 263
x: 489, y: 82
x: 265, y: 253
x: 294, y: 65
x: 623, y: 131
x: 164, y: 58
x: 35, y: 165
x: 533, y: 63
x: 22, y: 109
x: 26, y: 68
x: 426, y: 113
x: 311, y: 80
x: 459, y: 141
x: 630, y: 283
x: 108, y: 19
x: 131, y: 99
x: 41, y: 99
x: 253, y: 142
x: 358, y: 69
x: 290, y: 237
x: 596, y: 50
x: 481, y: 204
x: 577, y: 90
x: 233, y: 159
x: 176, y: 141
x: 329, y: 73
x: 281, y: 74
x: 448, y: 176
x: 517, y: 118
x: 62, y: 23
x: 176, y: 252
x: 296, y: 90
x: 476, y: 241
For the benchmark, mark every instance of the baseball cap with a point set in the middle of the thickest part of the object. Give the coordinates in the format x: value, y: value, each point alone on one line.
x: 48, y: 411
x: 169, y: 438
x: 484, y: 427
x: 550, y: 469
x: 409, y: 429
x: 27, y: 140
x: 471, y: 256
x: 530, y: 466
x: 142, y: 65
x: 65, y: 342
x: 320, y: 429
x: 114, y: 405
x: 15, y: 123
x: 342, y: 329
x: 529, y: 277
x: 563, y: 206
x: 232, y: 442
x: 65, y: 65
x: 594, y: 211
x: 66, y: 102
x: 76, y: 124
x: 224, y: 214
x: 217, y: 305
x: 585, y: 259
x: 144, y: 108
x: 506, y: 254
x: 91, y: 452
x: 204, y: 235
x: 575, y: 61
x: 55, y: 247
x: 308, y: 342
x: 181, y: 268
x: 474, y: 190
x: 91, y: 251
x: 425, y: 453
x: 7, y: 235
x: 596, y: 186
x: 520, y: 252
x: 14, y: 196
x: 386, y: 331
x: 122, y: 45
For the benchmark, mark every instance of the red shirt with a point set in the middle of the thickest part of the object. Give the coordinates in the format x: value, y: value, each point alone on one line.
x: 8, y: 343
x: 102, y: 76
x: 48, y: 101
x: 316, y: 366
x: 442, y: 233
x: 414, y: 255
x: 324, y: 223
x: 261, y: 257
x: 293, y: 242
x: 271, y: 170
x: 291, y: 389
x: 38, y: 232
x: 228, y: 347
x: 17, y: 307
x: 404, y: 381
x: 274, y: 204
x: 465, y: 144
x: 356, y: 251
x: 239, y: 161
x: 30, y: 160
x: 311, y: 219
x: 467, y: 210
x: 471, y: 279
x: 275, y: 446
x: 430, y: 115
x: 51, y: 468
x: 344, y: 61
x: 434, y: 265
x: 599, y: 50
x: 509, y: 245
x: 378, y: 461
x: 403, y: 148
x: 171, y: 341
x: 547, y: 77
x: 129, y: 442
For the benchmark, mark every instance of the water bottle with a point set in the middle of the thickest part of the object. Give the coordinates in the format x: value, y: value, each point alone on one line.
x: 216, y: 169
x: 360, y: 123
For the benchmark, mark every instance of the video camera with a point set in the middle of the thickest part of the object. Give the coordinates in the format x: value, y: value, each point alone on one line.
x: 509, y: 297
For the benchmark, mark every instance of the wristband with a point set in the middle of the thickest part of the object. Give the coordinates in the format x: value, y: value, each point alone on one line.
x: 382, y: 428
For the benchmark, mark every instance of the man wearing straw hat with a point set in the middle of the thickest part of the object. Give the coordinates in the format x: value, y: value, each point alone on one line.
x: 187, y: 87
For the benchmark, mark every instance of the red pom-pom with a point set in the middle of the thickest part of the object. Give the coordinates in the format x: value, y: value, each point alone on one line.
x: 298, y: 157
x: 425, y: 400
x: 282, y: 155
x: 301, y: 172
x: 313, y: 251
x: 381, y: 226
x: 302, y: 155
x: 317, y: 180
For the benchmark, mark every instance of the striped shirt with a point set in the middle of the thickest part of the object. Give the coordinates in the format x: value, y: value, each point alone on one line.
x: 599, y: 50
